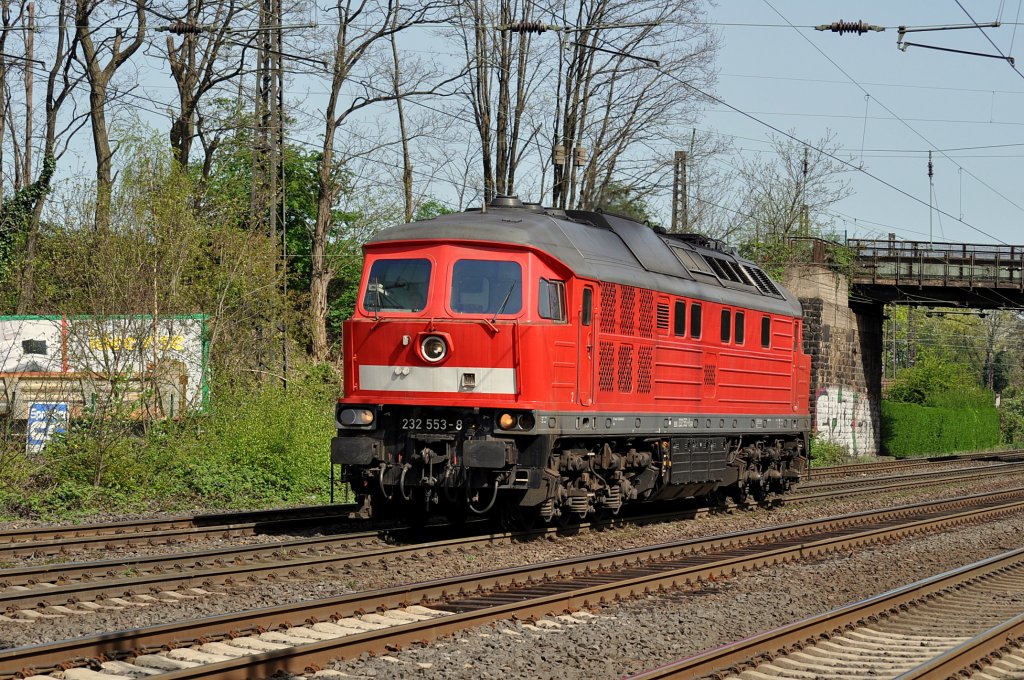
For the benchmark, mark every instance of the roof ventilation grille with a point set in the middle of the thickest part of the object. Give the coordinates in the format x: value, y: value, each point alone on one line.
x: 762, y: 280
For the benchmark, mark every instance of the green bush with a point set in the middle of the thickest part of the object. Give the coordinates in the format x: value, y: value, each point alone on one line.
x: 1011, y: 420
x: 912, y: 429
x: 932, y: 378
x: 256, y: 445
x: 825, y: 452
x: 962, y: 397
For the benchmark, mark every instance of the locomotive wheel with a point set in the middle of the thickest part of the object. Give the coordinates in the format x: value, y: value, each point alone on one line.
x: 716, y: 499
x: 456, y: 513
x: 515, y: 517
x: 566, y: 519
x: 415, y: 511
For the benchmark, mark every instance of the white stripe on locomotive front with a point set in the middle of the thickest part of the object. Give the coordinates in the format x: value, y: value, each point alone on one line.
x: 437, y: 379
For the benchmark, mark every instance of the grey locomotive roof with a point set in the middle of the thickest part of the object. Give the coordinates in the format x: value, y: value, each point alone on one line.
x: 606, y: 248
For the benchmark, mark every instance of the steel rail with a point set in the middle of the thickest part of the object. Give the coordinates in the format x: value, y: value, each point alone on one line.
x: 530, y: 590
x: 76, y: 582
x: 179, y: 522
x: 173, y: 572
x: 70, y: 583
x: 49, y: 541
x: 910, y: 464
x: 67, y: 532
x: 840, y: 489
x: 275, y: 520
x: 968, y: 656
x: 923, y: 475
x: 769, y: 644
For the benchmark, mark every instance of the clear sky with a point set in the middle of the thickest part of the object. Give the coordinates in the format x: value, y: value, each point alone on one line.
x: 885, y: 108
x: 894, y: 105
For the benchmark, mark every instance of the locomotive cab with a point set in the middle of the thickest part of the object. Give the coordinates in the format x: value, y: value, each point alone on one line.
x: 451, y: 348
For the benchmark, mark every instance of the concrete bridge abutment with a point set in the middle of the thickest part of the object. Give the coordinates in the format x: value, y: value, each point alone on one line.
x: 844, y: 340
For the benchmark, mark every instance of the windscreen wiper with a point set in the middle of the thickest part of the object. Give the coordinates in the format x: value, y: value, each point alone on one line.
x: 504, y: 302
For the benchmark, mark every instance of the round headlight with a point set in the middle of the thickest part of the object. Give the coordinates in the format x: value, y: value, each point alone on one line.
x: 356, y: 416
x: 526, y: 422
x: 506, y: 421
x: 433, y: 348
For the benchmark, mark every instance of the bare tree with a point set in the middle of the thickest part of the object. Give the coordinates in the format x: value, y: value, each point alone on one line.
x: 364, y: 31
x: 208, y: 53
x: 504, y: 70
x: 94, y: 20
x: 787, y: 192
x: 619, y: 91
x: 61, y: 83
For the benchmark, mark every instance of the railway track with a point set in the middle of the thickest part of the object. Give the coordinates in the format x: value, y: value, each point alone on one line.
x: 47, y: 590
x: 65, y: 540
x: 45, y: 541
x: 836, y: 489
x: 886, y: 467
x: 309, y: 634
x: 969, y: 621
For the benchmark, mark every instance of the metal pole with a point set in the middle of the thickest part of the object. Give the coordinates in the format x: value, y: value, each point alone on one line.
x: 931, y: 192
x: 679, y: 216
x: 892, y: 313
x: 279, y: 159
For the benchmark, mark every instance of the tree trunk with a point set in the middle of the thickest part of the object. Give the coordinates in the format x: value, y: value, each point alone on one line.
x: 406, y: 157
x: 104, y: 161
x: 99, y: 76
x: 183, y: 131
x: 321, y: 274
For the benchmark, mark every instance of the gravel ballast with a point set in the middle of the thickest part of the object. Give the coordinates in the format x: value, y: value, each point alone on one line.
x: 269, y: 593
x: 629, y: 637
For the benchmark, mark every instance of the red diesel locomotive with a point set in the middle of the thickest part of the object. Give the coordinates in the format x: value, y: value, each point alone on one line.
x: 558, y: 363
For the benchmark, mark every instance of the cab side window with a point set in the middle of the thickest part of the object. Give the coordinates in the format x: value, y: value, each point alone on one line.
x: 680, y: 323
x: 695, y: 319
x: 551, y: 300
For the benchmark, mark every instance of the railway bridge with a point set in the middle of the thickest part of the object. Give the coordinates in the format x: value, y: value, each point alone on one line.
x: 844, y: 316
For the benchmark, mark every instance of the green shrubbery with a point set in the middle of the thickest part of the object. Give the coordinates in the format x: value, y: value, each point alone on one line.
x: 913, y: 429
x: 256, y: 445
x: 1011, y: 418
x: 937, y: 406
x: 825, y: 452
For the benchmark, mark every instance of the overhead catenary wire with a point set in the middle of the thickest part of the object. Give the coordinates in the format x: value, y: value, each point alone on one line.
x: 843, y: 161
x: 1009, y: 60
x: 906, y: 124
x: 426, y: 106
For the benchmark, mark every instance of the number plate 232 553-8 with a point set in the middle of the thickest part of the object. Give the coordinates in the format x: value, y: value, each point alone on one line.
x: 431, y: 424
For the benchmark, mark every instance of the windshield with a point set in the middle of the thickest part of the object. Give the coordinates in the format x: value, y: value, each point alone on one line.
x: 487, y: 287
x: 397, y: 285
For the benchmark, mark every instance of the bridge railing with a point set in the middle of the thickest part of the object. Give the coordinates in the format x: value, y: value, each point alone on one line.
x: 938, y: 264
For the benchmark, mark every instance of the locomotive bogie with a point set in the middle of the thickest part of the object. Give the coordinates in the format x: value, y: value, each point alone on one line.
x: 444, y: 458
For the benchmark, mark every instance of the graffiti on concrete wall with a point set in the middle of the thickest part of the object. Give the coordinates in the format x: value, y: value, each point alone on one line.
x: 843, y: 416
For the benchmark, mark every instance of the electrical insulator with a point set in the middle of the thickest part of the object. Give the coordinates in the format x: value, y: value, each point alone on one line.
x: 581, y: 156
x: 929, y: 165
x: 181, y: 28
x: 528, y: 27
x: 558, y: 154
x: 841, y: 27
